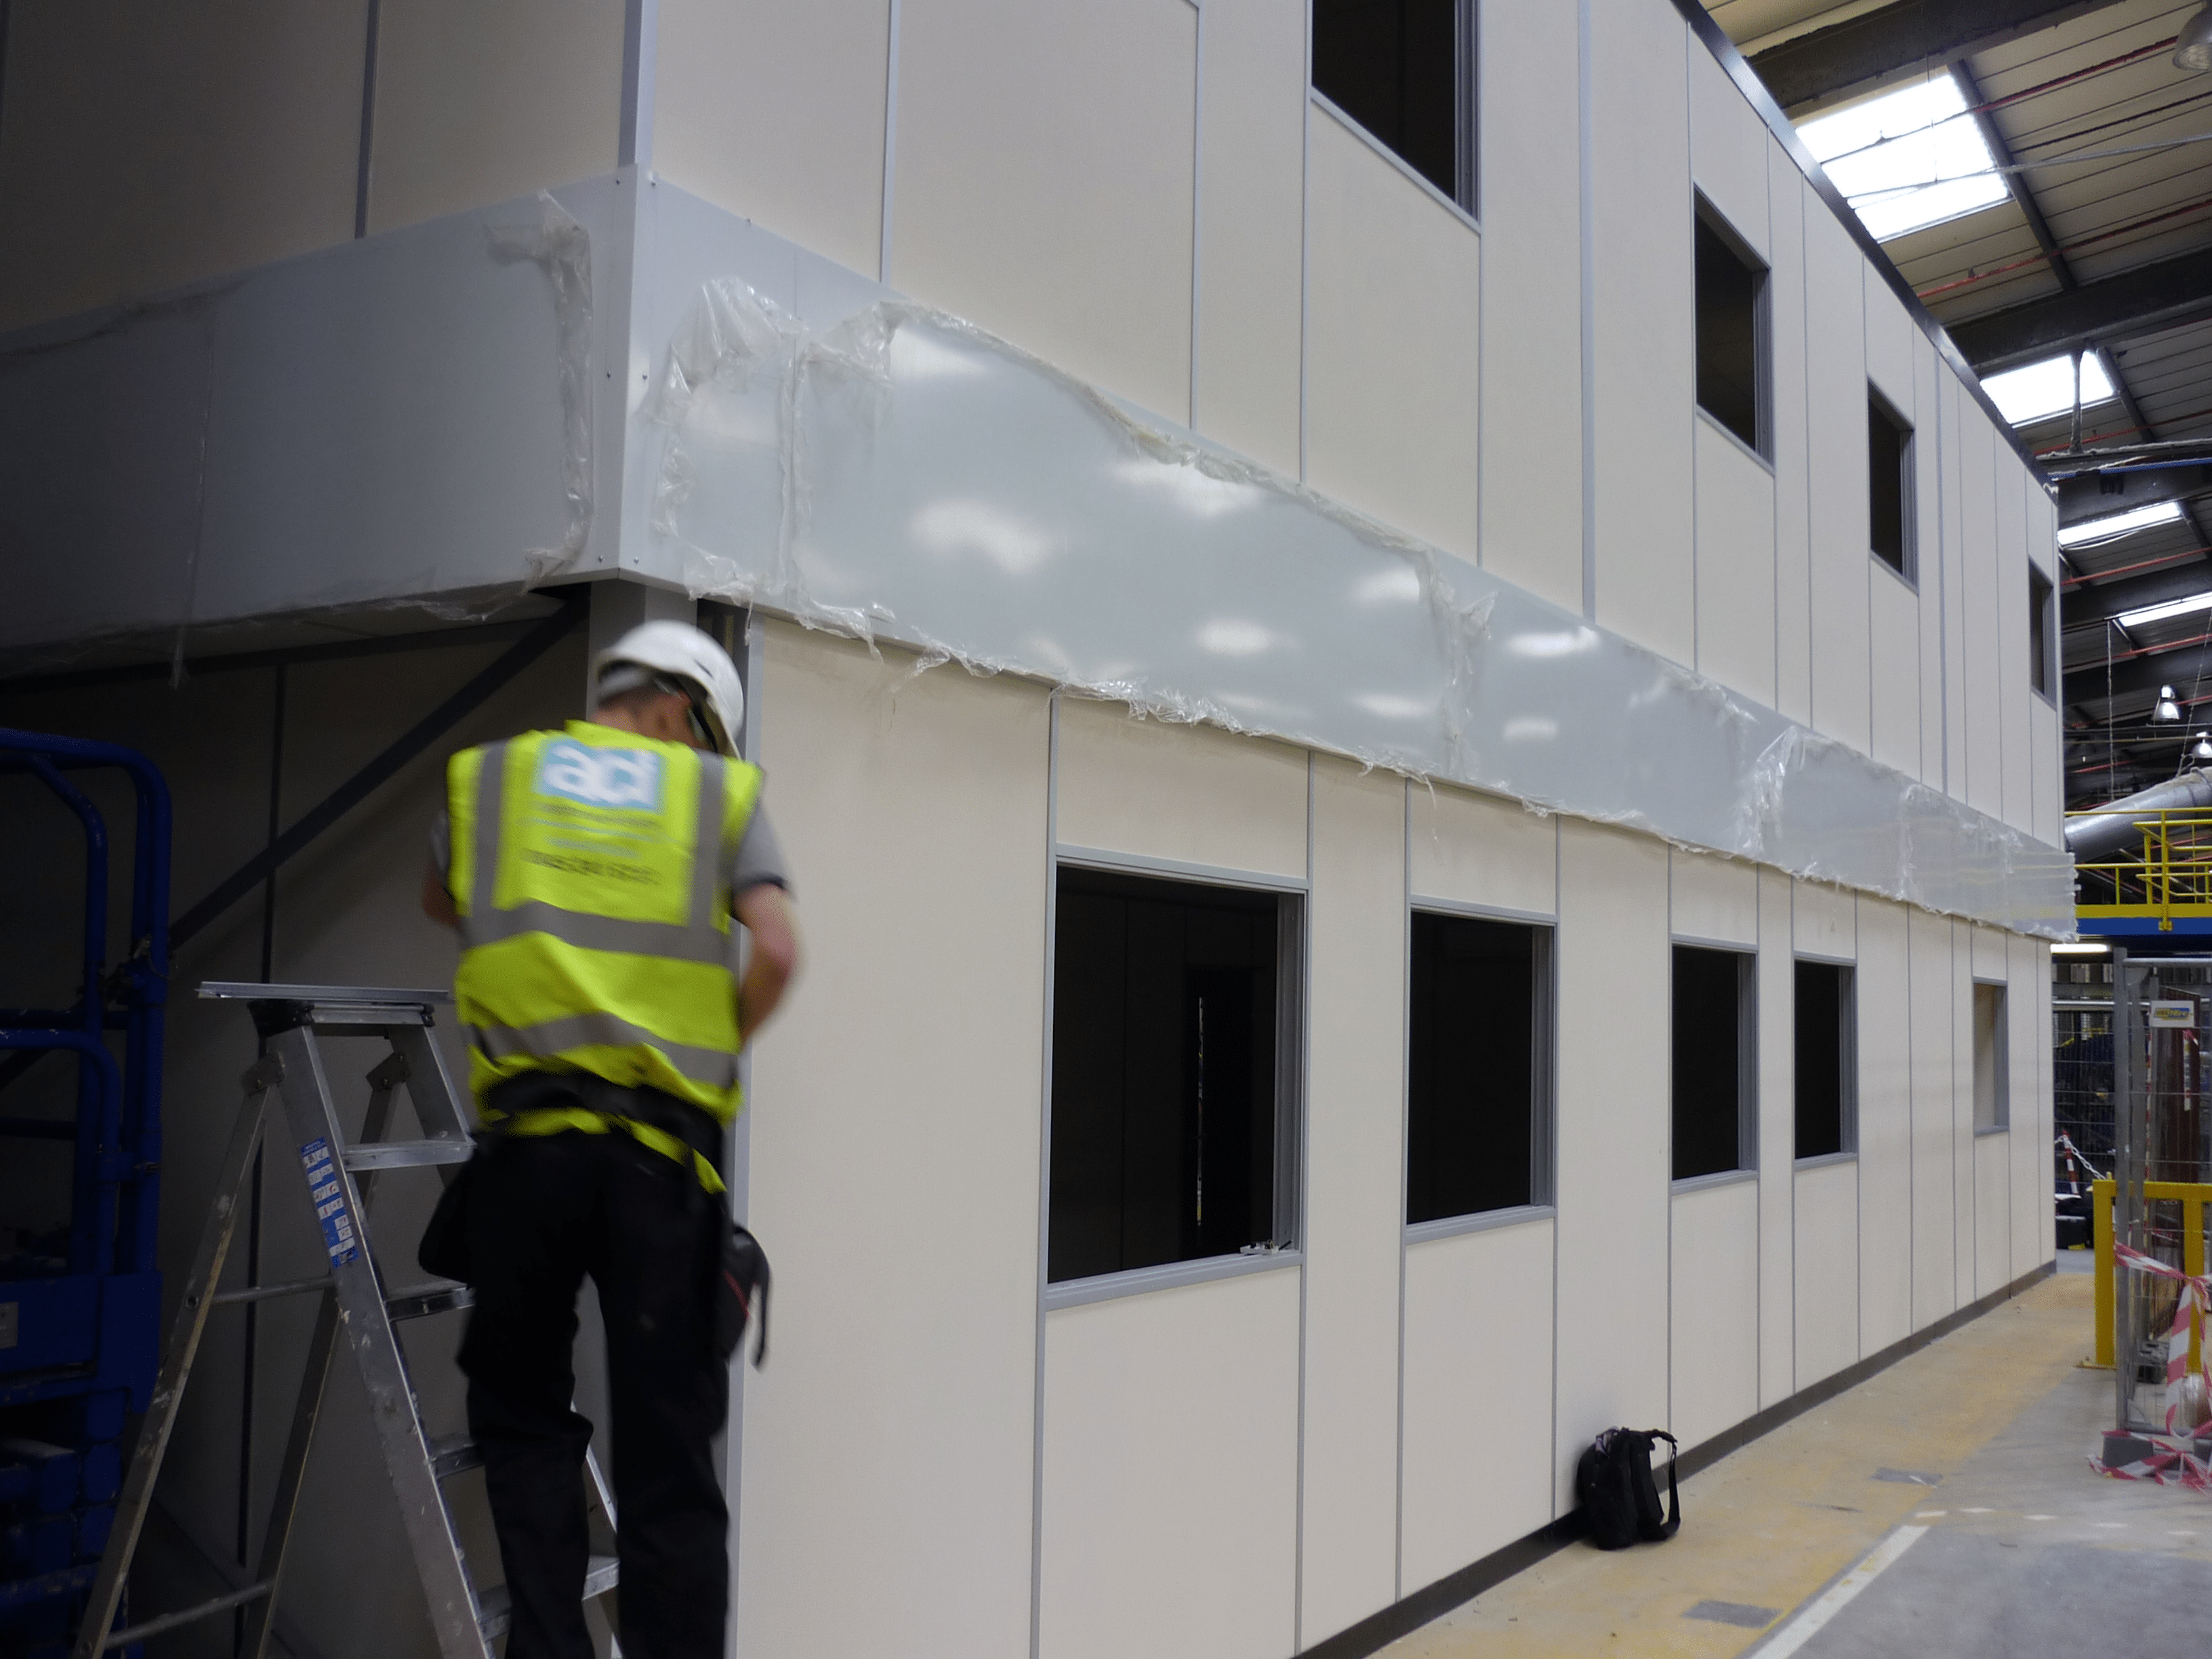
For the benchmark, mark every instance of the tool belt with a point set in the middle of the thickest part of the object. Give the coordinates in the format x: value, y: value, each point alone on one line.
x: 540, y: 1103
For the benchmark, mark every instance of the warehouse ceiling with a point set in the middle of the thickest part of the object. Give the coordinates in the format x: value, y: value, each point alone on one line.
x: 2093, y: 237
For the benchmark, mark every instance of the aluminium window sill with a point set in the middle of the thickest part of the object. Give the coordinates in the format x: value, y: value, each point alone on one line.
x: 1826, y: 1160
x: 1479, y: 1221
x: 1717, y: 1178
x: 1169, y: 1275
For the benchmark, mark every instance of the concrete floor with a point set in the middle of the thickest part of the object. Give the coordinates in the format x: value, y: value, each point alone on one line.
x: 2018, y: 1548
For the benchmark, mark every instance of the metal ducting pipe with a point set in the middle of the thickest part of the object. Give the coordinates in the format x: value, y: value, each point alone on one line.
x: 2113, y: 829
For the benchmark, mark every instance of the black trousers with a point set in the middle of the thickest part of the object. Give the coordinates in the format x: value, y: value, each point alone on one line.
x: 542, y: 1212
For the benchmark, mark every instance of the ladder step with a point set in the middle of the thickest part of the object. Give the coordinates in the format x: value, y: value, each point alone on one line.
x: 436, y: 1296
x: 406, y: 1154
x: 450, y: 1454
x: 496, y: 1611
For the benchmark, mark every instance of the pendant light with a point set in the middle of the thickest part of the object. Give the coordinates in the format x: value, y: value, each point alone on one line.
x: 2168, y: 711
x: 2193, y: 48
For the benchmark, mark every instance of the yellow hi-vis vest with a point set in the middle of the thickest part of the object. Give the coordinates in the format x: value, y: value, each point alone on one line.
x: 588, y: 869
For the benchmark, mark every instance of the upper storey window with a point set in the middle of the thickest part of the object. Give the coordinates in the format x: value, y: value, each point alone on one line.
x: 1405, y: 70
x: 1731, y: 331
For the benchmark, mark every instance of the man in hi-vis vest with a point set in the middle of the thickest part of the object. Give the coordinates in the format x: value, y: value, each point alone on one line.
x: 592, y: 874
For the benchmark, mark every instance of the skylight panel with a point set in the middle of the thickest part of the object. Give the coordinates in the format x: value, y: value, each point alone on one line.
x: 2113, y: 525
x: 2039, y: 390
x: 1907, y: 160
x: 2166, y: 612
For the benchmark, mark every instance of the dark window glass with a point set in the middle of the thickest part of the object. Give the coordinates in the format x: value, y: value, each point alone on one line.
x: 1404, y: 71
x: 1163, y: 1072
x: 1825, y: 1069
x: 1889, y: 486
x: 1712, y: 1070
x: 1476, y: 1076
x: 2042, y: 629
x: 1730, y: 361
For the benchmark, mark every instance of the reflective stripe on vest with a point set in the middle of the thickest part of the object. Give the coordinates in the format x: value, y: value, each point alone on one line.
x: 587, y: 868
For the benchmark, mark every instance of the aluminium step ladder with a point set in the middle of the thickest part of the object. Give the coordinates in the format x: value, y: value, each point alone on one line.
x: 338, y: 1178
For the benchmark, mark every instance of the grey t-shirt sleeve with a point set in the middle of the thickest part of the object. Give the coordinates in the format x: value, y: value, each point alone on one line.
x: 758, y: 861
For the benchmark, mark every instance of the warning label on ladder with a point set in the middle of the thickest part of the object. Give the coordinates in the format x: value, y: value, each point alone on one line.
x: 329, y: 1201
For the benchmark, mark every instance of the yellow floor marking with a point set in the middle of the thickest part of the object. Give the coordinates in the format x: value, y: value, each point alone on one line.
x: 1772, y: 1524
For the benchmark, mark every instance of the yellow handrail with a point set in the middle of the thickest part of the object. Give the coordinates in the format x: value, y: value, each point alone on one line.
x: 2173, y: 874
x: 2192, y: 1195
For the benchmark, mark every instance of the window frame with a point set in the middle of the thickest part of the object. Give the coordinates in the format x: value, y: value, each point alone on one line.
x: 2042, y: 623
x: 1543, y: 1082
x: 1704, y: 210
x: 1292, y: 970
x: 1746, y: 1059
x: 1907, y: 570
x: 1847, y: 1061
x: 1465, y: 197
x: 2001, y: 1059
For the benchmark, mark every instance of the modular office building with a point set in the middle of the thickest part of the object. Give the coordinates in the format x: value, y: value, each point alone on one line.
x: 1410, y: 702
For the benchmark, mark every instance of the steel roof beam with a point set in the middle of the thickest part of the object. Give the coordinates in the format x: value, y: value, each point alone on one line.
x: 2180, y: 666
x: 1860, y: 53
x: 2092, y: 602
x: 2166, y: 295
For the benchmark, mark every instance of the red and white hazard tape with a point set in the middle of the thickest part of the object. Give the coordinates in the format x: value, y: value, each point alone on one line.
x: 2171, y: 1462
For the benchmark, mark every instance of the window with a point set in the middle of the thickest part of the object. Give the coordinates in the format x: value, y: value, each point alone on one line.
x: 1992, y: 1083
x: 1907, y: 158
x: 1827, y: 1079
x: 1170, y: 1136
x: 1713, y: 1079
x: 2036, y: 391
x: 1889, y: 484
x: 1405, y: 70
x: 2042, y: 630
x: 1478, y: 1085
x: 1731, y: 331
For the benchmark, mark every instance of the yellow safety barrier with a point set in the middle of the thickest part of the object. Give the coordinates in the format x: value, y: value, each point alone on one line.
x: 2192, y: 1196
x: 2174, y: 876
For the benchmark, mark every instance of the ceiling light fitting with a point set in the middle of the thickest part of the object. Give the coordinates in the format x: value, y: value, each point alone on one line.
x: 2193, y: 48
x: 2167, y: 711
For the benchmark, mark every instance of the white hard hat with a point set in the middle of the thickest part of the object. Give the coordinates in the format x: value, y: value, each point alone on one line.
x: 676, y: 651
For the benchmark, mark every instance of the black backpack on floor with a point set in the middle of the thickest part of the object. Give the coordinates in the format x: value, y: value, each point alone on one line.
x: 1618, y: 1498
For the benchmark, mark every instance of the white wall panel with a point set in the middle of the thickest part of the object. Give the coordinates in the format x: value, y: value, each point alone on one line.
x: 1992, y: 1211
x: 1531, y: 463
x: 1251, y: 225
x: 1885, y: 1020
x: 1477, y: 1385
x: 1929, y: 376
x: 2013, y: 693
x: 1837, y: 435
x: 1935, y: 1122
x: 1793, y: 525
x: 775, y: 112
x: 1777, y: 1124
x: 1890, y: 335
x: 1736, y: 566
x: 1643, y: 308
x: 1713, y: 898
x: 1827, y: 1315
x: 1170, y: 1476
x: 1613, y: 966
x: 1043, y: 181
x: 480, y: 103
x: 1956, y: 407
x: 1896, y: 641
x: 1964, y: 1169
x: 1355, y: 1197
x: 1393, y: 343
x: 146, y: 146
x: 1728, y: 150
x: 2027, y: 1072
x: 2047, y: 823
x: 1480, y: 850
x: 1713, y: 1351
x: 1992, y: 958
x: 907, y: 824
x: 1826, y: 921
x: 1188, y: 793
x: 1981, y: 618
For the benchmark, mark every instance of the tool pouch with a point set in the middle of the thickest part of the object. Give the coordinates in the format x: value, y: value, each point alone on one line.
x: 444, y: 1251
x: 741, y: 1286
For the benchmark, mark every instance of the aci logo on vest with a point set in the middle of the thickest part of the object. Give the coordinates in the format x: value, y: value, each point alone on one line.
x: 601, y: 777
